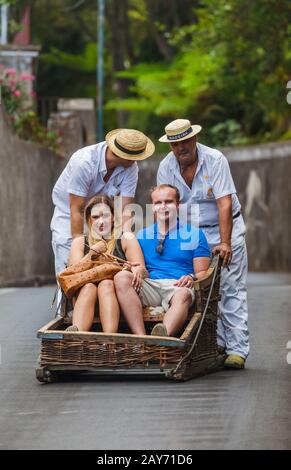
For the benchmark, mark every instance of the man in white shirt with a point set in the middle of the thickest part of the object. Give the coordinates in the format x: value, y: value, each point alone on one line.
x: 203, y: 178
x: 109, y: 168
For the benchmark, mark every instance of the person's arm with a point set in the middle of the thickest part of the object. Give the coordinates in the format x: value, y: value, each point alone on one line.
x: 224, y: 205
x: 126, y: 200
x: 200, y: 266
x: 126, y: 215
x: 122, y: 216
x: 200, y: 259
x: 134, y: 254
x: 127, y: 191
x: 77, y: 205
x: 223, y: 188
x: 77, y: 189
x: 77, y: 250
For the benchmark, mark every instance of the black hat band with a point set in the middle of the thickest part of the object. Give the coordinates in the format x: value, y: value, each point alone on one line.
x: 125, y: 150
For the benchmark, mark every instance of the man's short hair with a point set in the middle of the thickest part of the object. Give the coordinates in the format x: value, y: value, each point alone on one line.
x: 162, y: 186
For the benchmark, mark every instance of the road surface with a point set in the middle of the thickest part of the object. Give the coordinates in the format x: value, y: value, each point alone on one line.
x: 247, y: 409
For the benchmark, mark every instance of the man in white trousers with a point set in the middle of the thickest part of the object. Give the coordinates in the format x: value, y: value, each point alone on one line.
x: 203, y: 178
x: 109, y: 168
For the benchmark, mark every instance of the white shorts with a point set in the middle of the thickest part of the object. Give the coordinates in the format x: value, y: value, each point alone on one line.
x: 156, y: 292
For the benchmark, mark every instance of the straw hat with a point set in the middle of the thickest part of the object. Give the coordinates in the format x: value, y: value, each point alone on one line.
x: 180, y: 129
x: 130, y: 144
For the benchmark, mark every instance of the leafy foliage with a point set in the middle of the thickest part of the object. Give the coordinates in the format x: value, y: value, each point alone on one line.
x: 221, y: 63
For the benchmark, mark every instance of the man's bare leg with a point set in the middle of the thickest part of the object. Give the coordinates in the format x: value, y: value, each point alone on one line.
x: 177, y: 314
x: 129, y: 302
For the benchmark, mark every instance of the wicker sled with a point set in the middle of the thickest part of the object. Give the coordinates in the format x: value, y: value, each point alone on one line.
x: 181, y: 358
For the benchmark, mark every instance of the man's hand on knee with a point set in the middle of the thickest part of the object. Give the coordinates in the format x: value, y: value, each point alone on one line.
x: 185, y: 281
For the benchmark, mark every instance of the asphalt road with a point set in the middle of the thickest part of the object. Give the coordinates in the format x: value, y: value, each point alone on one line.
x: 247, y: 409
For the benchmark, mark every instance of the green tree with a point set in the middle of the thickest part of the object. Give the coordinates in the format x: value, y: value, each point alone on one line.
x: 229, y: 72
x: 222, y: 63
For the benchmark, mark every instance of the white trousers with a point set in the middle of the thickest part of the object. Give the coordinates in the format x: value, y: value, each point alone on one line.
x: 232, y: 328
x: 61, y: 249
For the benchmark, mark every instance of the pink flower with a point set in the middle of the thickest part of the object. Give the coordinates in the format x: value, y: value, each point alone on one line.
x: 12, y: 83
x: 10, y: 71
x: 27, y: 76
x: 17, y: 93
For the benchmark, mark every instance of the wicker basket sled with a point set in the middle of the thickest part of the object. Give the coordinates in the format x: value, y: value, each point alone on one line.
x: 191, y: 354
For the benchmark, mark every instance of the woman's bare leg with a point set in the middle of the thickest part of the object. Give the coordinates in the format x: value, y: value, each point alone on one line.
x: 129, y: 302
x: 83, y: 314
x: 109, y: 310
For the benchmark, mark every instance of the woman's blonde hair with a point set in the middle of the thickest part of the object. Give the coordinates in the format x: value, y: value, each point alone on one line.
x: 100, y: 199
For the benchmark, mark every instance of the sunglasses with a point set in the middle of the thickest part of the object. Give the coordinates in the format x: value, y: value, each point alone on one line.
x: 160, y: 247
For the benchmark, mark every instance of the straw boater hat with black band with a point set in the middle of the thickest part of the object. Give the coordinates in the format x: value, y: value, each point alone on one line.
x: 180, y: 129
x: 130, y: 144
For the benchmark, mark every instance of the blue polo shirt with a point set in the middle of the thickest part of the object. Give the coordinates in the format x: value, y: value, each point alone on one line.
x: 181, y: 245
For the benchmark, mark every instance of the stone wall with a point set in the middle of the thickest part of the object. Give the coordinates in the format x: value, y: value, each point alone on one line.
x: 28, y: 172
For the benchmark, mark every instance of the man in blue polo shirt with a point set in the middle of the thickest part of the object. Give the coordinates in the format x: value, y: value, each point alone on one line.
x: 174, y: 254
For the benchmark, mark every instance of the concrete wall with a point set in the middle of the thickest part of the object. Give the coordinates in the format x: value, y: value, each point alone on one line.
x: 28, y: 172
x: 262, y: 175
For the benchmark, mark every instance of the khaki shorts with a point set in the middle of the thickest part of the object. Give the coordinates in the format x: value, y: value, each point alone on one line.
x: 155, y: 292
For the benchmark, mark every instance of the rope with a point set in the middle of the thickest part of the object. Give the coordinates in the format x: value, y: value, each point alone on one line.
x: 201, y: 322
x: 54, y: 299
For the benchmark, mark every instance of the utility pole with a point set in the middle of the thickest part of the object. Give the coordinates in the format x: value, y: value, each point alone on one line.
x: 100, y: 70
x: 4, y: 24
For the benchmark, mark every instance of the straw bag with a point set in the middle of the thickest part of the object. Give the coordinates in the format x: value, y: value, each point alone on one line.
x: 94, y: 270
